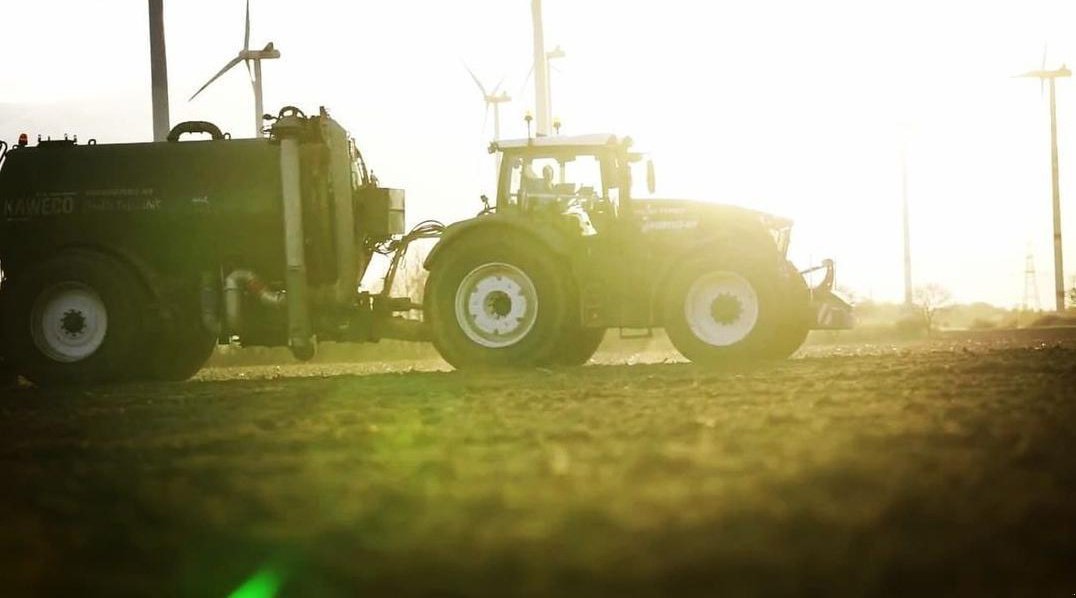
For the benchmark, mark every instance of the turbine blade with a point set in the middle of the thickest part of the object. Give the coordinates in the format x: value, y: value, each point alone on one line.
x: 474, y: 77
x: 498, y: 86
x: 1042, y: 82
x: 526, y: 80
x: 485, y: 119
x: 228, y: 66
x: 250, y: 74
x: 246, y: 30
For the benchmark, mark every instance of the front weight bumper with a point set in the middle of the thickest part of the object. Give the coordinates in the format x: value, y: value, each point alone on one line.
x: 831, y: 312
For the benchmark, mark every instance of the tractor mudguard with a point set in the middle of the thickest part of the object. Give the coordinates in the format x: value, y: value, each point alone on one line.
x: 505, y: 225
x: 712, y: 244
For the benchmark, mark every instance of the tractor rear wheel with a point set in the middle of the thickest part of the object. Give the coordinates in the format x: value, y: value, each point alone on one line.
x: 76, y: 318
x: 724, y: 310
x: 496, y: 302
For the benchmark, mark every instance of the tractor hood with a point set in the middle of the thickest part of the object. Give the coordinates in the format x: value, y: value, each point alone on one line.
x: 683, y: 214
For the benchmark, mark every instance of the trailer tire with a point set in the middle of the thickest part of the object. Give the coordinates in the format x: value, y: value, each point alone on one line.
x: 8, y: 375
x: 183, y: 347
x: 577, y: 346
x: 723, y: 310
x: 495, y: 302
x: 75, y: 319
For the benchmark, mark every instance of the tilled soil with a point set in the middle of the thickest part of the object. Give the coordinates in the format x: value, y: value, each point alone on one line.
x: 943, y: 468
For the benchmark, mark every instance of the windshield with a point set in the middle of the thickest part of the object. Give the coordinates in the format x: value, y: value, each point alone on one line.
x: 551, y: 178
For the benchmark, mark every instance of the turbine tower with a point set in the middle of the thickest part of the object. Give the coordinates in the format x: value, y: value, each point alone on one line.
x: 491, y: 98
x: 1045, y: 76
x: 158, y: 70
x: 248, y: 56
x: 541, y: 72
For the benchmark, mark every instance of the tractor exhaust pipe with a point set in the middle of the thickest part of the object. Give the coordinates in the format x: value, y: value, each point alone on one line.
x: 300, y: 332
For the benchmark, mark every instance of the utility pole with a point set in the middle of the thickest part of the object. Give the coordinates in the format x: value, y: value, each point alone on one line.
x: 541, y: 72
x: 908, y: 299
x: 158, y: 70
x: 1059, y: 277
x: 1031, y: 284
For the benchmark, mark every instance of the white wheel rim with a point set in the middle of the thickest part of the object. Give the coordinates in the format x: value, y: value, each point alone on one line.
x: 496, y: 305
x: 721, y: 308
x: 68, y: 322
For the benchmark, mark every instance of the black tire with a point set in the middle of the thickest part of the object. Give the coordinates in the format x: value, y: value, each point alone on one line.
x: 498, y: 271
x: 726, y: 309
x: 577, y: 346
x: 76, y: 318
x: 183, y: 345
x: 795, y: 317
x: 8, y: 376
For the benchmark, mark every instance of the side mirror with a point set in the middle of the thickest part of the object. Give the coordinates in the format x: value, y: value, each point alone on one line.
x: 651, y: 178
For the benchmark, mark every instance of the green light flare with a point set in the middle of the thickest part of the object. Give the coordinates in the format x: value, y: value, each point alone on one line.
x: 263, y: 584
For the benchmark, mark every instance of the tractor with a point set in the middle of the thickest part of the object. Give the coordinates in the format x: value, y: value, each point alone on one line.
x: 574, y: 245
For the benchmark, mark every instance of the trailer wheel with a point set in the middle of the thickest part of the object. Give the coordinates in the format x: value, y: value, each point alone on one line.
x: 183, y: 346
x: 578, y: 346
x: 8, y: 375
x: 75, y: 319
x: 723, y: 310
x: 497, y: 303
x: 795, y: 317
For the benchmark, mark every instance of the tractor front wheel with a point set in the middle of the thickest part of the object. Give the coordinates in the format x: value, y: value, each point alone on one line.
x: 723, y: 310
x: 795, y: 317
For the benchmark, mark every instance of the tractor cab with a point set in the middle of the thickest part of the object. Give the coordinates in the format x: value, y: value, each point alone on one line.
x: 590, y: 178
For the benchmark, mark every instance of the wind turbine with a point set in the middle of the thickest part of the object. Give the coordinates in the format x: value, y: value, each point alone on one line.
x: 492, y: 99
x: 1043, y: 76
x: 247, y: 55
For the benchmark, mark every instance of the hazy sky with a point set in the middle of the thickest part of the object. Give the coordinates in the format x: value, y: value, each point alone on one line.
x: 792, y: 107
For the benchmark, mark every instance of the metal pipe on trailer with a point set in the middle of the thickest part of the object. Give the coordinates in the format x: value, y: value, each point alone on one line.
x: 300, y: 332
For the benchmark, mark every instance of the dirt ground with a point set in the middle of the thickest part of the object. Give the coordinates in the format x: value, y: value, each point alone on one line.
x: 941, y: 468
